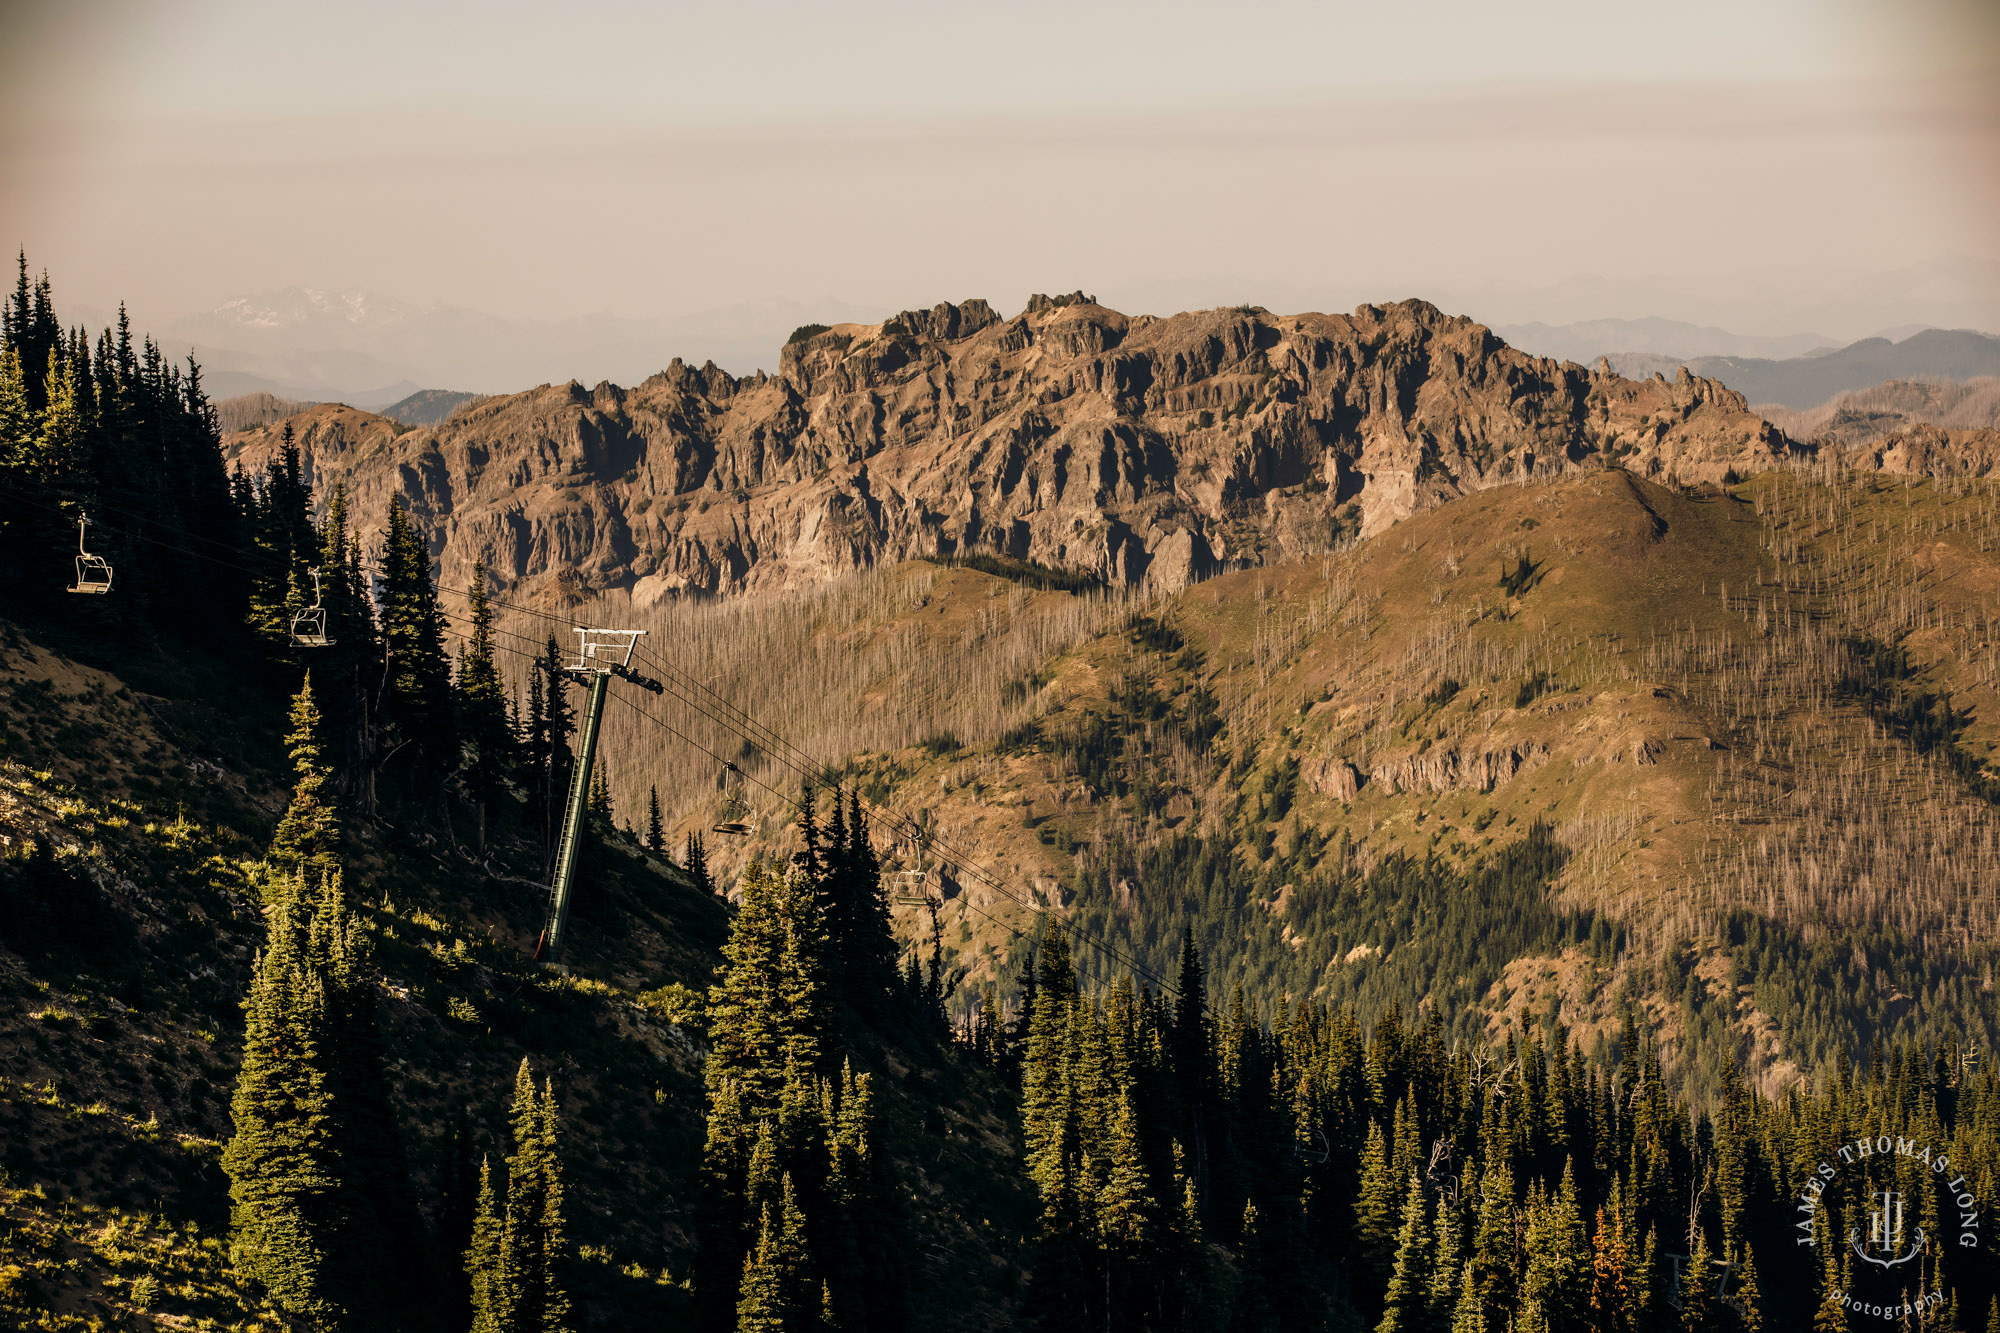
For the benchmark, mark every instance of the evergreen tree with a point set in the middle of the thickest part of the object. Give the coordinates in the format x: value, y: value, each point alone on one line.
x: 1699, y: 1312
x: 1556, y: 1286
x: 857, y: 917
x: 308, y: 836
x: 63, y: 446
x: 695, y: 863
x: 1493, y: 1258
x: 494, y: 1291
x: 767, y: 1007
x: 1749, y: 1296
x: 1127, y: 1217
x: 344, y: 665
x: 283, y: 543
x: 1650, y: 1306
x: 1251, y: 1312
x: 319, y: 1199
x: 282, y: 1160
x: 860, y: 1217
x: 1375, y: 1216
x: 1448, y: 1241
x: 656, y: 836
x: 416, y: 700
x: 776, y: 1295
x: 1406, y: 1307
x: 1732, y: 1155
x: 552, y: 726
x: 1192, y: 1056
x: 518, y: 1257
x: 20, y: 462
x: 1469, y: 1314
x: 534, y: 1242
x: 770, y: 1113
x: 488, y: 744
x: 1610, y: 1265
x: 600, y: 793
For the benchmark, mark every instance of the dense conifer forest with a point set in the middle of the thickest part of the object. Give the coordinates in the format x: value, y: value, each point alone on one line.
x: 1161, y: 1118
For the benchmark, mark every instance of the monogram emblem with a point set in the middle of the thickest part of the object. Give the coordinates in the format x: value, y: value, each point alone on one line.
x: 1885, y: 1234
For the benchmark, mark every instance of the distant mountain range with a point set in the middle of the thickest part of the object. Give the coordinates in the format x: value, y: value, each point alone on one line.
x: 427, y: 407
x: 1794, y: 371
x: 1586, y: 340
x: 1807, y: 381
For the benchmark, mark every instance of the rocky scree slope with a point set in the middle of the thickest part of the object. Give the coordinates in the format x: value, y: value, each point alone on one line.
x: 1135, y: 448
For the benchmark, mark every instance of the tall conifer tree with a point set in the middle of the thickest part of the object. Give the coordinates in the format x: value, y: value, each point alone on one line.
x: 518, y: 1259
x: 320, y: 1214
x: 1406, y: 1307
x: 416, y: 697
x: 696, y: 864
x: 308, y: 836
x: 482, y: 706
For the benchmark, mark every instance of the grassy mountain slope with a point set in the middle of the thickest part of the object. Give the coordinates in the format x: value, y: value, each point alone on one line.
x: 1759, y: 721
x: 124, y: 958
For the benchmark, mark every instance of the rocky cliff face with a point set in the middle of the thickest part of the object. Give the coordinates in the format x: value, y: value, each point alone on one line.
x: 1133, y: 448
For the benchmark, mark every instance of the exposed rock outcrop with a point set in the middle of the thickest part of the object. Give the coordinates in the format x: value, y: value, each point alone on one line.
x: 1131, y: 447
x: 1444, y: 769
x: 1330, y: 775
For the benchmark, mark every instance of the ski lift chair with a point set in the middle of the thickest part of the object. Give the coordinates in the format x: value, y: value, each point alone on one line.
x: 908, y: 888
x: 309, y: 625
x: 93, y: 572
x: 734, y: 820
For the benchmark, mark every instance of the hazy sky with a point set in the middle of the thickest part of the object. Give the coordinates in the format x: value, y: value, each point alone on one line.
x: 1764, y: 166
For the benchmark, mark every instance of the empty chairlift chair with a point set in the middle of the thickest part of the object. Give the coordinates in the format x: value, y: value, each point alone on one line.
x: 309, y: 625
x: 911, y: 884
x: 734, y: 819
x: 93, y: 572
x: 908, y: 888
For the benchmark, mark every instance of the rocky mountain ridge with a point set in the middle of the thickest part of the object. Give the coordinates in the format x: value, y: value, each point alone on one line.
x: 1134, y: 448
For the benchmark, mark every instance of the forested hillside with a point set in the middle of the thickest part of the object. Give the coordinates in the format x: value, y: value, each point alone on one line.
x: 1567, y: 909
x: 1757, y: 723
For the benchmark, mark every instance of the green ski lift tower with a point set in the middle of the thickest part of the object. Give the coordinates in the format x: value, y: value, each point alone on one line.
x: 601, y: 654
